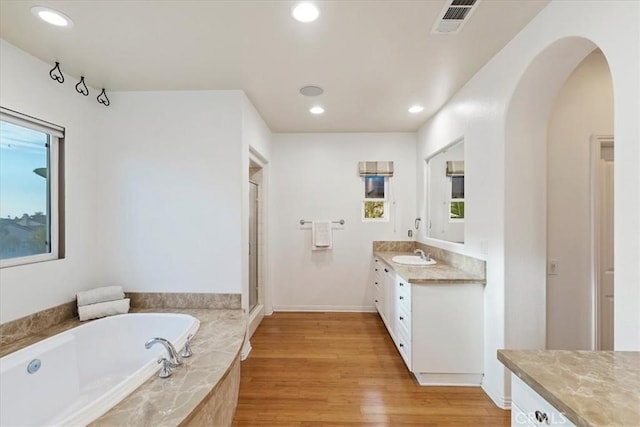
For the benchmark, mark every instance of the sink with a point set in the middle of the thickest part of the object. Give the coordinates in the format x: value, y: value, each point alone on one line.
x: 412, y: 260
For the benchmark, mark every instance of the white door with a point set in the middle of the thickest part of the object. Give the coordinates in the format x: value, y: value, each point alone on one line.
x: 605, y: 250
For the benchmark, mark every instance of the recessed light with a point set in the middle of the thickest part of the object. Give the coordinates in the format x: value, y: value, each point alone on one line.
x: 52, y: 17
x: 305, y: 12
x: 316, y: 110
x: 416, y: 109
x: 311, y: 91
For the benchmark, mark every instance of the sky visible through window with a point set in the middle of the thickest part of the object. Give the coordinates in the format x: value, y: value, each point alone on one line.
x: 22, y: 151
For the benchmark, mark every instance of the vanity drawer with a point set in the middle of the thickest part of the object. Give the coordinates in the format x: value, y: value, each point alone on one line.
x: 403, y: 321
x: 533, y: 409
x: 403, y: 342
x: 403, y: 302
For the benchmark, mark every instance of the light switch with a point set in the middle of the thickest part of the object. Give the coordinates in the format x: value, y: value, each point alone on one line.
x: 552, y: 269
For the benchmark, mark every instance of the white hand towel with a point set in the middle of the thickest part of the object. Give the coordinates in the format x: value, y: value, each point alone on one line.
x: 106, y: 293
x: 321, y: 232
x: 103, y: 309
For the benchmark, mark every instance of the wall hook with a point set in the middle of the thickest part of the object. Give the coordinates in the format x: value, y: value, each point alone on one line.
x: 416, y: 223
x: 81, y: 87
x: 56, y: 73
x: 102, y: 98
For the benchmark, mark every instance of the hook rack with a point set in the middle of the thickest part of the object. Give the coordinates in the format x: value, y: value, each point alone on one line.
x: 102, y: 98
x: 56, y: 73
x: 303, y: 222
x: 81, y: 87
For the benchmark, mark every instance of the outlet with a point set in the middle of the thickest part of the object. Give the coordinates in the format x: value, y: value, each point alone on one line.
x: 410, y: 233
x: 552, y: 268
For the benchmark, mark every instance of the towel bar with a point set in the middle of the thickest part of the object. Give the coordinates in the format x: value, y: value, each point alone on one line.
x: 303, y: 222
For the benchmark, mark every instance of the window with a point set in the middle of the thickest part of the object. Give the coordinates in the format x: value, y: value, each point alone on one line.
x: 30, y: 152
x: 375, y: 206
x: 456, y: 205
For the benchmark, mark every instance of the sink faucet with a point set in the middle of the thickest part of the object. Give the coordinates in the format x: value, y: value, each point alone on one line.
x: 174, y: 360
x: 422, y: 255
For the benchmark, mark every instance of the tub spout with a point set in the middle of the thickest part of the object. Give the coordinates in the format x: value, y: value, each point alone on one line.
x: 174, y: 359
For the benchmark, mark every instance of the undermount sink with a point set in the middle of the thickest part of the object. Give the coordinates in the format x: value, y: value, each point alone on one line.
x: 412, y: 260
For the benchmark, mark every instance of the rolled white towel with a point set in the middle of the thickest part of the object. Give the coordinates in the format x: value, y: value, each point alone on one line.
x: 106, y: 293
x: 103, y: 309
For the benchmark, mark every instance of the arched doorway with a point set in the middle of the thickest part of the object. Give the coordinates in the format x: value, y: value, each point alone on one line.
x: 526, y: 128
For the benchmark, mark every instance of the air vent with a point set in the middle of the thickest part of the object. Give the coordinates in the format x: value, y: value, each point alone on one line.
x: 453, y: 16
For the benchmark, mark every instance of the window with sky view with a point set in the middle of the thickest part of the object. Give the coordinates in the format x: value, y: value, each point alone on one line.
x: 24, y: 191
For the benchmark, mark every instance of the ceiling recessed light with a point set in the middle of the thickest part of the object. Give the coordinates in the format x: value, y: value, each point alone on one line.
x: 311, y: 91
x: 416, y: 109
x: 305, y: 12
x: 52, y: 17
x: 316, y: 110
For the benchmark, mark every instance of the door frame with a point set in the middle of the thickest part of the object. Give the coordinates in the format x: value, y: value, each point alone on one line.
x: 596, y: 143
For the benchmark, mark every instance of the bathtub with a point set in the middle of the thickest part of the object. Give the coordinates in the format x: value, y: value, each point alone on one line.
x: 87, y: 370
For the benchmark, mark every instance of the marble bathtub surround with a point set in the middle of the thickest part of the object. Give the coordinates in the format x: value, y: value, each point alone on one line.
x: 451, y: 267
x: 439, y: 273
x: 18, y: 329
x: 204, y: 388
x: 592, y: 388
x: 184, y: 300
x: 33, y: 325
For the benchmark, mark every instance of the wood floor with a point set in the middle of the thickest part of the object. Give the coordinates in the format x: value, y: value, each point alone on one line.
x: 342, y: 369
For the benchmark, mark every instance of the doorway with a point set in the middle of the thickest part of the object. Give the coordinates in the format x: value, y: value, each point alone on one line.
x: 602, y: 208
x: 253, y: 245
x: 575, y: 228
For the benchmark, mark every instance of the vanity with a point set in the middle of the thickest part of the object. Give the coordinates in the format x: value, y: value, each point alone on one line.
x: 434, y: 314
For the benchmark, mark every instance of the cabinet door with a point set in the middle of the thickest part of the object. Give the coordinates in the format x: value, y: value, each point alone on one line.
x: 377, y: 275
x: 390, y: 299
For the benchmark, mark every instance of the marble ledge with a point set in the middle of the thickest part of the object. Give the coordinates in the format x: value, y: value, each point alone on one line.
x: 31, y: 326
x: 437, y: 274
x: 592, y: 388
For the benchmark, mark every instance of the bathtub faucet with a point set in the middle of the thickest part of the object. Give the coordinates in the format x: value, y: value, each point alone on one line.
x: 174, y: 360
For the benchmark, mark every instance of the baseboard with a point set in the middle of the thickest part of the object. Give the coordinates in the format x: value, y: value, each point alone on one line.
x: 502, y: 402
x: 246, y: 349
x: 329, y: 308
x: 431, y: 379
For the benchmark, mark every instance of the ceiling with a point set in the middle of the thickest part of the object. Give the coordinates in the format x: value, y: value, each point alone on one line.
x: 374, y: 59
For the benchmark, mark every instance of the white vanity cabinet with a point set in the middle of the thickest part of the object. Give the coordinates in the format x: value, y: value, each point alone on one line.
x: 528, y: 408
x: 437, y: 328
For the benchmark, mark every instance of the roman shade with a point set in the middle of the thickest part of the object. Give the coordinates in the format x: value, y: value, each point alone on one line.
x: 375, y: 168
x: 455, y: 168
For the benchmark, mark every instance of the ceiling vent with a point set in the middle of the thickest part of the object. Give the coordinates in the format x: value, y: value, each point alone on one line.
x: 453, y: 16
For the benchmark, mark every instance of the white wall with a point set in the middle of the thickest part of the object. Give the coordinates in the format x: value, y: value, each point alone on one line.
x: 27, y: 88
x: 315, y: 177
x: 171, y: 191
x: 584, y: 107
x: 506, y: 225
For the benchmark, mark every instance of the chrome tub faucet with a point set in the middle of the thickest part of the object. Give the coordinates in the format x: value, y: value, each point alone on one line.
x: 167, y: 364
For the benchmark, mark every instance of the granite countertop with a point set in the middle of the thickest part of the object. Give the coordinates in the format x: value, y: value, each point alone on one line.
x: 171, y: 401
x: 433, y: 274
x: 592, y: 388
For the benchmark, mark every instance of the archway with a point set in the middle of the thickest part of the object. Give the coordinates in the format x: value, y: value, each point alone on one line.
x: 525, y: 231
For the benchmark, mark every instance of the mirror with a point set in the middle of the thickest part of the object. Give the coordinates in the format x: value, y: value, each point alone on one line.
x: 445, y: 194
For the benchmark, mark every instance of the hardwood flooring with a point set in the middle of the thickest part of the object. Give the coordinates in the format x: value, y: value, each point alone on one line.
x: 342, y: 369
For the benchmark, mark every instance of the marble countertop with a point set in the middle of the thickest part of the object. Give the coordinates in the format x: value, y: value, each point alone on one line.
x: 171, y: 401
x: 592, y: 388
x: 433, y: 274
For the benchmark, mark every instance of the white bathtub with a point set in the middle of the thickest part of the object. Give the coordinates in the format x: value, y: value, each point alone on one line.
x: 87, y: 370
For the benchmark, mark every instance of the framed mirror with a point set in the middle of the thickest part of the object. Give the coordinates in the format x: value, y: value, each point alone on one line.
x: 445, y: 194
